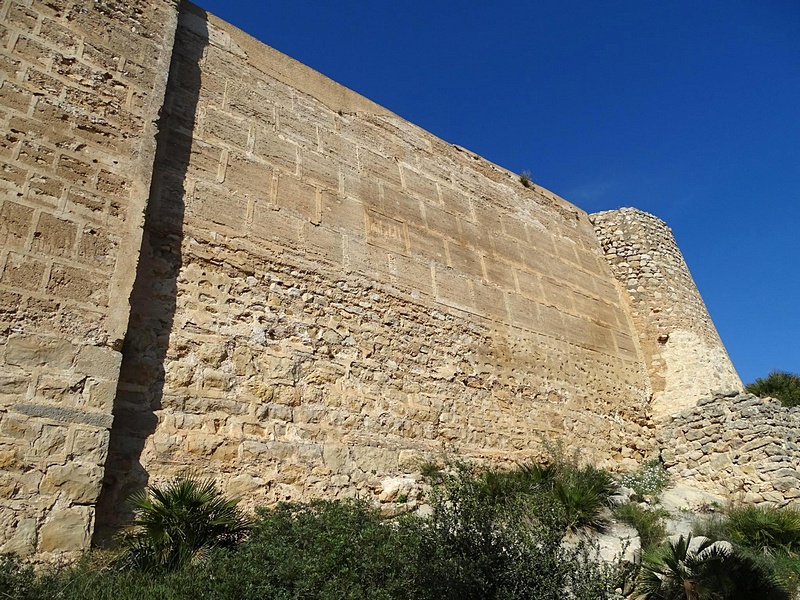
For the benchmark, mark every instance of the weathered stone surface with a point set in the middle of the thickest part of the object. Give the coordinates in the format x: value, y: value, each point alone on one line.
x: 23, y: 542
x: 33, y: 351
x: 67, y: 530
x: 78, y: 149
x: 64, y: 415
x: 685, y: 357
x: 80, y: 483
x: 325, y: 295
x: 735, y: 446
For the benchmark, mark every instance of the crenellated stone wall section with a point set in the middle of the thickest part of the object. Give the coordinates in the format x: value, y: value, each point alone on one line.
x: 684, y: 355
x: 81, y: 84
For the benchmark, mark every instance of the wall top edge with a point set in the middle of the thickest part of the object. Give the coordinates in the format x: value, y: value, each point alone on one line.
x: 627, y: 213
x: 303, y: 78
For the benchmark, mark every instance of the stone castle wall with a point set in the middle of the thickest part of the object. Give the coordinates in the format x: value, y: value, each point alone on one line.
x: 323, y: 295
x: 348, y: 295
x: 684, y: 355
x: 81, y: 84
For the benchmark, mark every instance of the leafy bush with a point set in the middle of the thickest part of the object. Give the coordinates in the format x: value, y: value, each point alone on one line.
x: 431, y: 472
x: 17, y: 581
x: 768, y: 536
x: 477, y: 544
x: 778, y: 384
x: 324, y: 550
x: 91, y: 579
x: 649, y: 479
x: 649, y: 523
x: 580, y: 493
x: 583, y: 493
x: 500, y: 537
x: 180, y: 522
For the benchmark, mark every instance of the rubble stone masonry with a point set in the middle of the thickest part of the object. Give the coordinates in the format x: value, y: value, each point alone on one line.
x: 328, y: 295
x: 323, y: 295
x: 740, y: 446
x: 684, y: 355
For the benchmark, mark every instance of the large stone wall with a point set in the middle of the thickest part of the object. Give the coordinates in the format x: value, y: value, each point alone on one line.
x: 81, y: 84
x: 684, y: 354
x: 328, y: 294
x: 320, y: 295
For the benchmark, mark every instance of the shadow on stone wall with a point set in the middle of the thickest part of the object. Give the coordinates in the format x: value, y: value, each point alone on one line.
x: 153, y: 299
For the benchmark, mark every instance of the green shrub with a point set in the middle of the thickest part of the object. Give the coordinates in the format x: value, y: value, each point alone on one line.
x: 470, y: 548
x: 92, y: 579
x: 648, y: 523
x: 768, y: 536
x: 324, y: 550
x: 500, y: 537
x: 431, y: 471
x: 649, y: 479
x: 17, y: 581
x: 581, y: 494
x: 179, y: 522
x: 778, y: 384
x: 764, y: 528
x: 584, y: 494
x: 711, y: 571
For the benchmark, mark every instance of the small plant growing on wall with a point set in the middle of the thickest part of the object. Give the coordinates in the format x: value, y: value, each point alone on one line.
x: 525, y: 179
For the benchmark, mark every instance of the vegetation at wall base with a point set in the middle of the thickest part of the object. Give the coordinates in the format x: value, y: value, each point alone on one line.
x: 768, y: 536
x: 650, y: 479
x: 648, y: 522
x: 704, y: 570
x: 474, y: 546
x: 180, y: 522
x: 492, y: 535
x: 778, y: 384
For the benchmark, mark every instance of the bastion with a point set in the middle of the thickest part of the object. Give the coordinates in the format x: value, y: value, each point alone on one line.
x: 216, y: 259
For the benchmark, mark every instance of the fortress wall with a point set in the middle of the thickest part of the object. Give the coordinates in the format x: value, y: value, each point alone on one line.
x: 81, y: 83
x: 684, y: 354
x: 328, y: 294
x: 741, y: 447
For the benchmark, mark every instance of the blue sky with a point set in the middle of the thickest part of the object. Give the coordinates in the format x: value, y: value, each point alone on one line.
x: 687, y: 109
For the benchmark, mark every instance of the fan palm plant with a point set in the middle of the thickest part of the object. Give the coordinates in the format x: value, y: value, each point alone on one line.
x: 180, y: 522
x: 689, y: 568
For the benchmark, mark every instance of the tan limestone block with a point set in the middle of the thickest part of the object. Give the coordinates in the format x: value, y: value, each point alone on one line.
x: 22, y: 272
x: 244, y: 485
x: 98, y: 361
x: 23, y: 542
x: 67, y: 530
x: 90, y: 444
x: 52, y: 441
x: 80, y: 483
